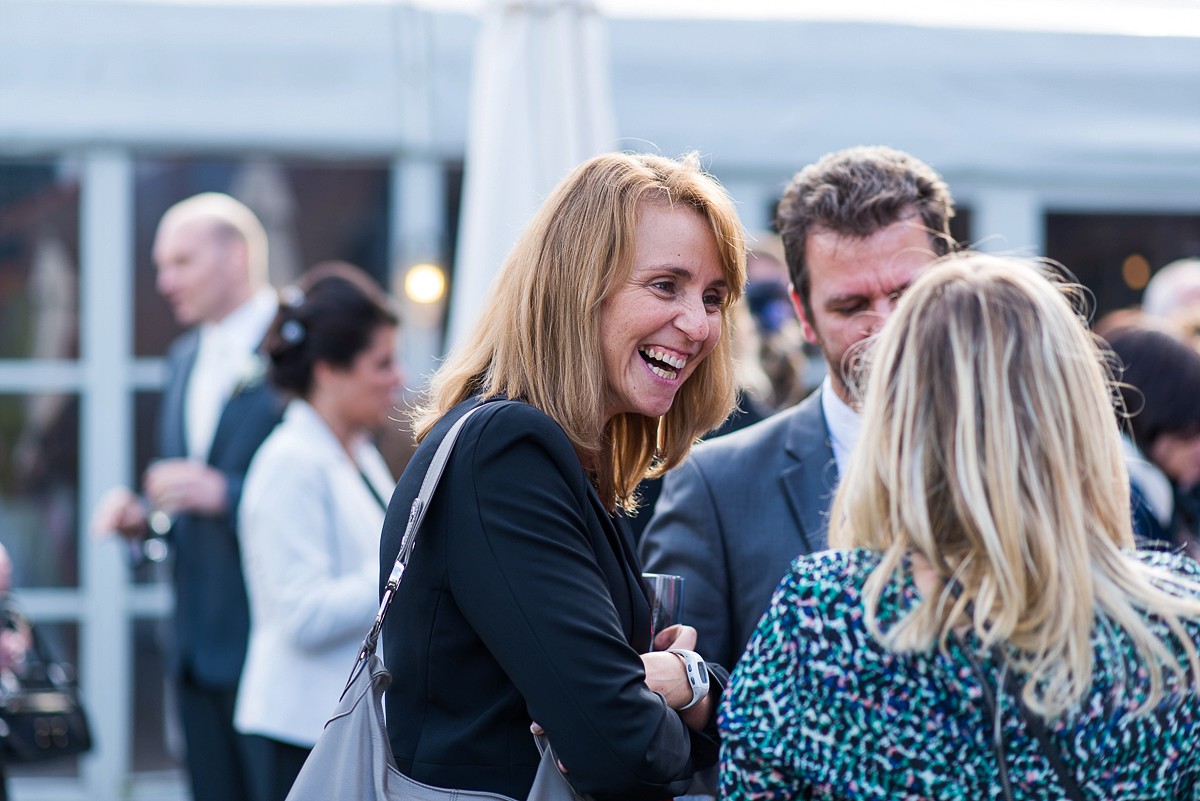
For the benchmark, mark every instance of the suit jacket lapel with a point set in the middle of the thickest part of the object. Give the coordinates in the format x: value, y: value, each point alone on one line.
x: 172, y: 429
x: 246, y: 392
x: 810, y: 482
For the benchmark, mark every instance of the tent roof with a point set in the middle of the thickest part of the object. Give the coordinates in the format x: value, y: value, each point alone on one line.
x: 1128, y: 17
x: 1125, y: 17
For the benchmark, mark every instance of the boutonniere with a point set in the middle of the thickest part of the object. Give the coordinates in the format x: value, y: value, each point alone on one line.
x: 252, y: 373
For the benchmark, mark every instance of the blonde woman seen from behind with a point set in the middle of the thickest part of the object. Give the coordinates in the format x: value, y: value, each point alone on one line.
x: 985, y: 563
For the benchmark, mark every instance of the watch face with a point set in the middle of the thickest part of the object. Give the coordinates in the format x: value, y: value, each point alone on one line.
x: 702, y: 671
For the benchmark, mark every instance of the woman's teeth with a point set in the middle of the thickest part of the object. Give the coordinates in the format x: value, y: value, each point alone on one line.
x: 663, y: 364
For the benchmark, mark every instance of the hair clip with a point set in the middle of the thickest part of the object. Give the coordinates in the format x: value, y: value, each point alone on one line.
x: 291, y: 296
x: 292, y: 332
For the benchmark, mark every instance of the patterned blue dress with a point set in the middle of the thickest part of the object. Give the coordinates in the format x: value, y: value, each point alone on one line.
x: 817, y: 708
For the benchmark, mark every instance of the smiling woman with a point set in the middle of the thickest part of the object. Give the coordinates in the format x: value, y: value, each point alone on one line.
x: 524, y: 602
x: 667, y: 317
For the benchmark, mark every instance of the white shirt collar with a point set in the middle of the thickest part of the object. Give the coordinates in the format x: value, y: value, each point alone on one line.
x: 844, y: 424
x: 226, y: 351
x: 244, y: 327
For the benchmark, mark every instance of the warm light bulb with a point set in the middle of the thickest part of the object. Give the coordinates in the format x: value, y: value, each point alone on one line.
x: 425, y: 283
x: 1135, y: 271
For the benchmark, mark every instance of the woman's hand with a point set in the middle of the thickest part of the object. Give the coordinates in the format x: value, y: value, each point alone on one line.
x: 666, y: 675
x: 538, y: 731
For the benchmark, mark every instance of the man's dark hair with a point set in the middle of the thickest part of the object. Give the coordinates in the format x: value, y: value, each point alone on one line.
x: 857, y: 192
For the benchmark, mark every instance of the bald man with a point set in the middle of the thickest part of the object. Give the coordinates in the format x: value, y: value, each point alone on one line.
x: 211, y: 255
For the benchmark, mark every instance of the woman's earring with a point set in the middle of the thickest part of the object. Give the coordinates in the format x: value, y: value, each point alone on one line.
x: 660, y: 440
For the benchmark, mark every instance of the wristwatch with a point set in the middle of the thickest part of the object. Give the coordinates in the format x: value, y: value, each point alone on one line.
x: 697, y: 674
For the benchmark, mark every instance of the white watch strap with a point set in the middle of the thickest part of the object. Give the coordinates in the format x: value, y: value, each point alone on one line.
x: 697, y: 674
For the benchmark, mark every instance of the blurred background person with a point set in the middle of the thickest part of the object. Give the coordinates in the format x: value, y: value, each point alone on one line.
x: 1173, y: 291
x: 985, y: 615
x: 1159, y: 384
x: 1173, y: 294
x: 523, y: 600
x: 211, y: 255
x: 15, y: 640
x: 311, y: 512
x: 772, y: 364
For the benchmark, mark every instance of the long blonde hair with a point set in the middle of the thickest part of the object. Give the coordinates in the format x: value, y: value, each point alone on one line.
x: 538, y: 338
x: 990, y: 447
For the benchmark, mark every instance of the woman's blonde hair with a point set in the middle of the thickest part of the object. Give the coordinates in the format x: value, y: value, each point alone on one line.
x: 538, y: 339
x: 990, y: 447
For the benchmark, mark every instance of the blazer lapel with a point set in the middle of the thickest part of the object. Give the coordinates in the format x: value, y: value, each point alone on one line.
x: 620, y: 540
x: 638, y: 601
x: 249, y: 393
x: 172, y: 430
x: 810, y: 482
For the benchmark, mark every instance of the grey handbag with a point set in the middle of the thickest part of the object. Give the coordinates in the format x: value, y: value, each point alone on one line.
x: 352, y: 760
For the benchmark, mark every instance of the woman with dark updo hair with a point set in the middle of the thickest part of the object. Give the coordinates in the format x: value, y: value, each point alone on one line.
x: 311, y: 513
x: 1159, y: 387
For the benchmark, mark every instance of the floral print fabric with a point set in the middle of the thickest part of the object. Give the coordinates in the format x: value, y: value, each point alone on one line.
x: 818, y: 708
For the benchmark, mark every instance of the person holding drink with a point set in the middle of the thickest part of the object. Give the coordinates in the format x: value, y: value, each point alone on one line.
x: 210, y: 252
x: 601, y: 354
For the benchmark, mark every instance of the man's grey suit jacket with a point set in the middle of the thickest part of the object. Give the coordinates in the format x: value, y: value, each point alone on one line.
x: 735, y: 514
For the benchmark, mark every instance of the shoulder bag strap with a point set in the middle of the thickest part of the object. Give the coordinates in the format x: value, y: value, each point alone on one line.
x: 416, y: 514
x: 1066, y: 780
x: 1013, y: 686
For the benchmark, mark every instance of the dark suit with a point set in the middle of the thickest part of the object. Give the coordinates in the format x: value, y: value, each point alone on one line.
x: 523, y: 601
x: 735, y: 514
x: 212, y: 618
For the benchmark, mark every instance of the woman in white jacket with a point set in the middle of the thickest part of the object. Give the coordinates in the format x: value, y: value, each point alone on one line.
x: 311, y: 513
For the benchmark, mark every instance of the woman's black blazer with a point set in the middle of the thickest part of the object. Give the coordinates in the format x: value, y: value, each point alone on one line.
x: 522, y: 601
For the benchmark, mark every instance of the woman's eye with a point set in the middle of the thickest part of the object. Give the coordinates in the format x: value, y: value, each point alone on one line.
x: 664, y: 286
x: 714, y: 300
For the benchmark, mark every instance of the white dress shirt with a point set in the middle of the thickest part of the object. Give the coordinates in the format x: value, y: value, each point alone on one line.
x: 309, y: 529
x: 226, y: 350
x: 844, y: 424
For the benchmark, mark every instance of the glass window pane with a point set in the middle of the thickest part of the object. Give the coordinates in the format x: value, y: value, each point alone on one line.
x: 312, y: 211
x: 1100, y: 250
x: 39, y: 487
x: 39, y: 260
